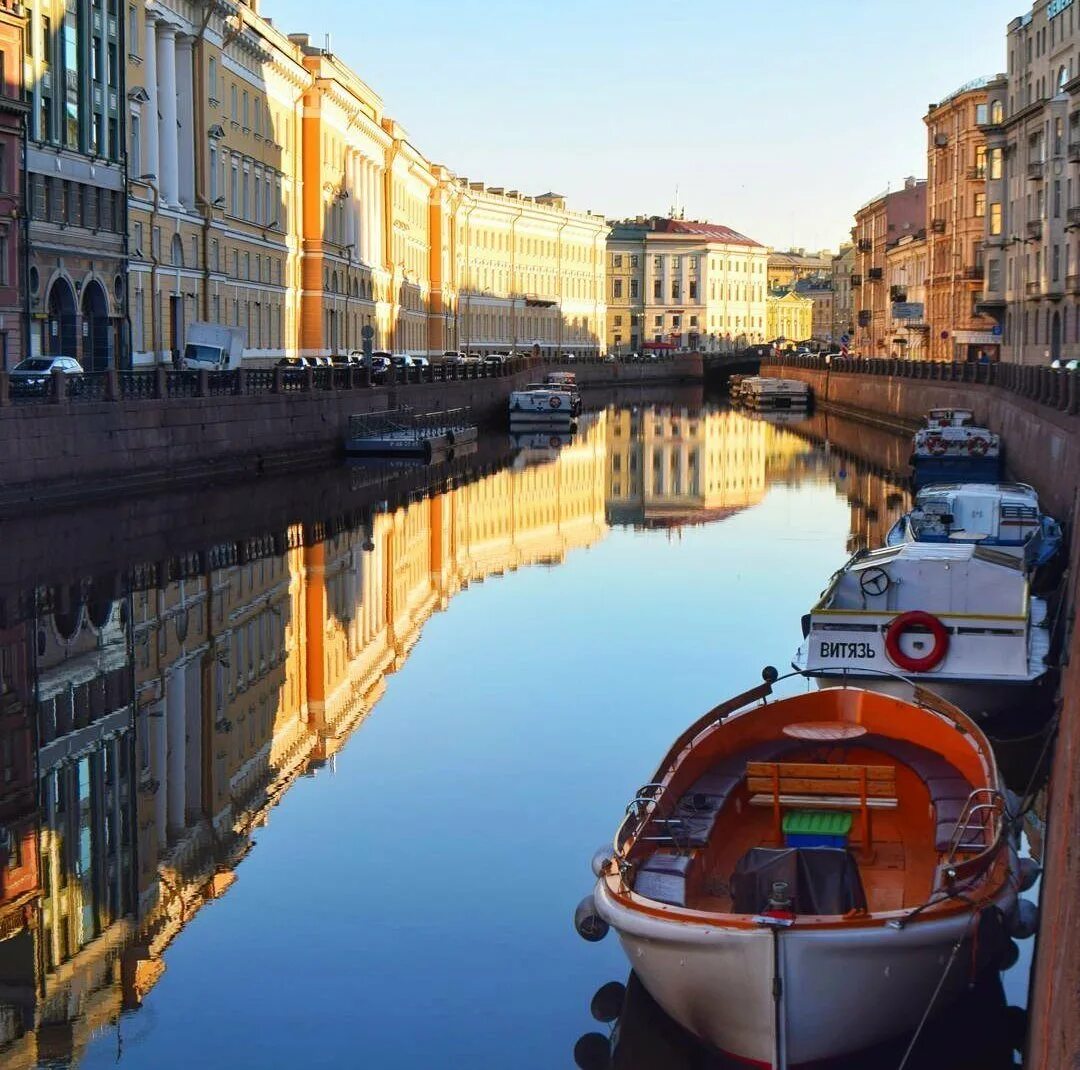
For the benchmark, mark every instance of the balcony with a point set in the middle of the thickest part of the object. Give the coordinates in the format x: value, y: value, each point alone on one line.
x: 1073, y: 215
x: 1032, y: 289
x: 865, y: 245
x: 937, y: 226
x: 1074, y: 152
x: 977, y: 173
x: 875, y: 274
x: 856, y: 281
x: 1034, y: 229
x: 865, y: 317
x: 1035, y: 169
x: 973, y: 272
x: 897, y: 293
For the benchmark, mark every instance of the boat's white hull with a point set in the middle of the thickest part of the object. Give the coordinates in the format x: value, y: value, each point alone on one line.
x: 841, y: 990
x: 980, y: 699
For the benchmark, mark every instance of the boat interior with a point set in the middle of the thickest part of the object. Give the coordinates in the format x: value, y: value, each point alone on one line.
x: 976, y: 512
x: 856, y: 800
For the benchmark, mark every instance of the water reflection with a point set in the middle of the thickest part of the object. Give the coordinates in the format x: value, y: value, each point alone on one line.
x: 153, y: 713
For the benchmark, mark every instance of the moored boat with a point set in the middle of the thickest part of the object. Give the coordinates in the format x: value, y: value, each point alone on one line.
x: 801, y: 879
x: 544, y: 402
x: 1003, y: 515
x: 952, y: 448
x: 762, y: 392
x: 959, y: 618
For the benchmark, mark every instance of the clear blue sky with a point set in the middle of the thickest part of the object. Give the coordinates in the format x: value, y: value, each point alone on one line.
x: 778, y: 119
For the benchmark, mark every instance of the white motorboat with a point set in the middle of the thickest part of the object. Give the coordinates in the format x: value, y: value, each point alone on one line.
x: 781, y: 945
x: 952, y: 448
x: 959, y: 618
x: 1003, y: 515
x: 545, y: 403
x: 761, y: 392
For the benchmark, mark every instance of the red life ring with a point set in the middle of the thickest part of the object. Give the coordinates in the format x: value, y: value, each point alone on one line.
x: 899, y: 627
x: 936, y: 445
x: 555, y: 402
x: 977, y: 446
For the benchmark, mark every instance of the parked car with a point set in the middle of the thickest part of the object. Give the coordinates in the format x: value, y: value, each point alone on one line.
x: 347, y: 360
x: 1065, y: 365
x: 31, y: 377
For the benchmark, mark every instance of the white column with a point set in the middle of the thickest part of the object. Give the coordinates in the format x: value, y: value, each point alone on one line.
x: 185, y: 85
x: 358, y: 205
x: 149, y: 164
x: 377, y: 252
x: 159, y: 769
x: 169, y: 175
x: 367, y: 170
x: 176, y: 727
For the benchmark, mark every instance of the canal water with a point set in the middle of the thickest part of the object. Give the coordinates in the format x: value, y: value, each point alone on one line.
x: 325, y: 794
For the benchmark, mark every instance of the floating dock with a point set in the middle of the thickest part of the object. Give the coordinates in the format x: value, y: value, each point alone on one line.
x: 402, y: 433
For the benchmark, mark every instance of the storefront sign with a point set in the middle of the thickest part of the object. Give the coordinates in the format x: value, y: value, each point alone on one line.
x: 908, y: 310
x: 976, y: 338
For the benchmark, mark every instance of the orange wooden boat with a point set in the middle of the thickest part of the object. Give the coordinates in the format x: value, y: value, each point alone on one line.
x: 806, y: 877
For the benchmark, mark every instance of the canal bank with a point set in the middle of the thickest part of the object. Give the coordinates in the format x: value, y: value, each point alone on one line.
x: 1042, y: 444
x: 179, y: 429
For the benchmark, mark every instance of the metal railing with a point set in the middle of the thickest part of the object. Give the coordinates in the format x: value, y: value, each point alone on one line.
x: 1056, y: 388
x: 158, y: 383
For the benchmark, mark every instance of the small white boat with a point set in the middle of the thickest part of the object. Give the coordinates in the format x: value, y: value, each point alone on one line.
x: 1003, y: 515
x: 541, y: 402
x: 952, y: 448
x: 959, y: 618
x: 760, y: 392
x: 801, y: 880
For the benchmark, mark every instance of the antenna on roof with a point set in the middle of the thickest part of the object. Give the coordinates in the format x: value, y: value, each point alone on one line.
x: 677, y: 211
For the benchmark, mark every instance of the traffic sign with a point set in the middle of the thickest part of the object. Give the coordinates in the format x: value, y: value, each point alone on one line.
x: 845, y: 339
x: 997, y: 330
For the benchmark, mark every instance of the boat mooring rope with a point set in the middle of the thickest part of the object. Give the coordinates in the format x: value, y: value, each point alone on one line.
x: 930, y: 1005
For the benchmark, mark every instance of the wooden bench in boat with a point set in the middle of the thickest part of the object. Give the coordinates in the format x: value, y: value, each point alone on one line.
x: 813, y: 785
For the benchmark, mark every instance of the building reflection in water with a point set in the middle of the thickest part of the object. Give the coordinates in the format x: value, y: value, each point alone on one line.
x: 149, y: 721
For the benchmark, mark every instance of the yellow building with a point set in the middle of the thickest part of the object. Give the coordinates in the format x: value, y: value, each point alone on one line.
x: 788, y: 267
x: 700, y: 285
x: 791, y: 317
x: 214, y: 173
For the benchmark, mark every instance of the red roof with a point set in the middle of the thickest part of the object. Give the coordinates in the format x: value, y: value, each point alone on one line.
x: 708, y: 231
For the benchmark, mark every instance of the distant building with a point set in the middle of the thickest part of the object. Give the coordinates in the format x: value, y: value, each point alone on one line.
x: 700, y: 285
x: 880, y: 222
x: 819, y: 290
x: 840, y: 270
x: 905, y: 274
x: 790, y: 317
x: 956, y: 157
x: 788, y: 267
x: 13, y: 111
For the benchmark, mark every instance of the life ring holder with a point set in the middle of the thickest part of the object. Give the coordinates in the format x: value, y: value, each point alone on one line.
x: 555, y: 401
x: 899, y: 627
x: 978, y: 446
x: 936, y: 445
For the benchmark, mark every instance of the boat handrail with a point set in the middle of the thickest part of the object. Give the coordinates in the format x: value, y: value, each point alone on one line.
x: 996, y: 806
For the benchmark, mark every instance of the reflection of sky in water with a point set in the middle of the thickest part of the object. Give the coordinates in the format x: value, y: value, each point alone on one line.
x: 413, y: 907
x: 411, y: 904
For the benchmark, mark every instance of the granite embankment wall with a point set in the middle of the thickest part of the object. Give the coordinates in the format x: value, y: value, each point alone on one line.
x: 1042, y: 446
x: 70, y: 449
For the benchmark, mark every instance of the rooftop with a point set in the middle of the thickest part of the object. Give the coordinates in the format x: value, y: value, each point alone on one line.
x: 692, y: 228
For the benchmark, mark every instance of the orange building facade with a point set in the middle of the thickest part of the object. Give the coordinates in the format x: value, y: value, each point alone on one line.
x: 956, y: 207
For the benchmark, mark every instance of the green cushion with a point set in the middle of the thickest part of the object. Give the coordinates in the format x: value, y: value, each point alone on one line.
x: 817, y: 822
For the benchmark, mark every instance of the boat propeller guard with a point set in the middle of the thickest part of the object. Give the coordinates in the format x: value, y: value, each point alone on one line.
x: 916, y: 619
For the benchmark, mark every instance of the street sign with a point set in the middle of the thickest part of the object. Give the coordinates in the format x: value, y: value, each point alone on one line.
x: 845, y: 339
x: 997, y: 330
x: 908, y: 310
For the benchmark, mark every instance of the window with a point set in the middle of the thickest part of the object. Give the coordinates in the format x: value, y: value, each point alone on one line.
x: 212, y: 77
x: 980, y: 114
x: 693, y: 289
x: 657, y: 263
x: 997, y: 112
x: 675, y: 263
x: 136, y: 143
x: 995, y: 163
x: 616, y: 289
x: 616, y: 260
x: 995, y: 218
x: 658, y: 321
x: 634, y: 289
x: 658, y: 290
x: 634, y: 261
x: 617, y: 321
x: 993, y: 275
x: 980, y: 205
x: 245, y: 112
x: 232, y: 103
x: 675, y: 289
x: 133, y: 30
